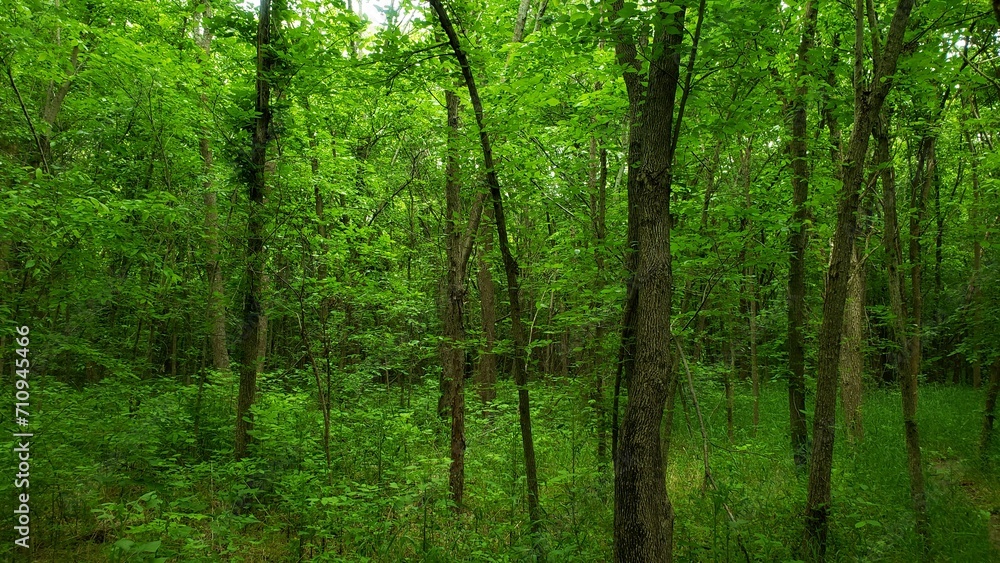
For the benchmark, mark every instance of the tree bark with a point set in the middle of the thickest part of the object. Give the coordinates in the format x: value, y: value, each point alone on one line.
x: 750, y: 284
x: 454, y: 332
x: 522, y: 18
x: 727, y: 384
x: 486, y: 376
x: 869, y: 99
x: 644, y: 516
x: 253, y: 312
x: 453, y: 352
x: 975, y: 289
x: 852, y: 349
x: 918, y: 203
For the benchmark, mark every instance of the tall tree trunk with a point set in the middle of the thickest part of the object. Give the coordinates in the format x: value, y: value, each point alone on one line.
x: 797, y: 240
x: 452, y: 354
x: 250, y: 349
x: 750, y: 284
x: 511, y: 269
x: 869, y: 99
x: 754, y: 361
x: 711, y: 173
x: 322, y: 391
x: 216, y: 308
x: 597, y: 179
x: 727, y: 384
x: 644, y: 516
x: 975, y: 289
x: 918, y: 203
x: 486, y: 375
x: 522, y: 18
x: 453, y: 349
x: 852, y: 349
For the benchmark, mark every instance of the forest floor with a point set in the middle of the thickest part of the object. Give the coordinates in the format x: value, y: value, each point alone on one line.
x: 130, y: 471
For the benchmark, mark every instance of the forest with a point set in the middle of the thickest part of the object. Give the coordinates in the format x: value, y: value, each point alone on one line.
x: 499, y: 280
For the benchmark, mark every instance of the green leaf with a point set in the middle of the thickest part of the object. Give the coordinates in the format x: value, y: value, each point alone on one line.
x: 148, y: 547
x: 124, y: 544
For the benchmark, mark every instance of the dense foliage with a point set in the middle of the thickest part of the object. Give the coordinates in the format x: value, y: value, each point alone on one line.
x: 129, y: 154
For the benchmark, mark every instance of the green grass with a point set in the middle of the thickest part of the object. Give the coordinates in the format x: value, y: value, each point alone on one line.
x: 106, y: 472
x: 871, y: 518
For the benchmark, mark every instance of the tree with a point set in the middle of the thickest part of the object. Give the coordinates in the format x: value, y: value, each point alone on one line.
x: 852, y: 359
x: 216, y: 309
x: 459, y: 247
x: 253, y: 311
x: 990, y: 411
x: 869, y: 98
x: 510, y: 268
x: 486, y: 374
x: 798, y: 237
x: 644, y: 516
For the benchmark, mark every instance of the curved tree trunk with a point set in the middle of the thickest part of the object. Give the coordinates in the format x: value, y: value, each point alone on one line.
x: 510, y: 268
x: 869, y: 98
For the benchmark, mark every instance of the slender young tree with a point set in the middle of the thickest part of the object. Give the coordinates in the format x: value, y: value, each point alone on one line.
x: 920, y: 190
x: 975, y: 289
x: 486, y: 374
x: 597, y: 184
x: 458, y: 248
x: 216, y: 309
x: 799, y: 236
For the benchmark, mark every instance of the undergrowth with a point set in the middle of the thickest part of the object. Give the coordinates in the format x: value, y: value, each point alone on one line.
x: 129, y: 470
